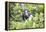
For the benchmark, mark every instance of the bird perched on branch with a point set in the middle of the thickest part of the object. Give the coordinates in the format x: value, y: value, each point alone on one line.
x: 27, y: 15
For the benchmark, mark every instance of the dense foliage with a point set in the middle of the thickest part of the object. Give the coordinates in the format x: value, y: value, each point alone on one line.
x: 16, y: 11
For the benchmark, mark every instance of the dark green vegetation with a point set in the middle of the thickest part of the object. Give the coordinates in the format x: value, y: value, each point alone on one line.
x: 16, y: 11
